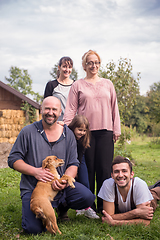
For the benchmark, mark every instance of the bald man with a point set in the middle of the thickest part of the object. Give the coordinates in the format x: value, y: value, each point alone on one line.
x: 34, y: 143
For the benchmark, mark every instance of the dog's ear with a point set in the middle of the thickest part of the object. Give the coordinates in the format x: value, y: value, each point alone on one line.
x: 45, y: 162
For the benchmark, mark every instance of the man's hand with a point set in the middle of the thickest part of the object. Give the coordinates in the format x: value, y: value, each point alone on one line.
x: 107, y: 218
x: 144, y: 211
x: 57, y: 186
x: 43, y: 175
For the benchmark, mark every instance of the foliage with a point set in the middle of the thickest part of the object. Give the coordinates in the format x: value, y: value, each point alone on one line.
x: 156, y: 129
x: 73, y: 76
x: 126, y: 86
x: 80, y: 227
x: 145, y: 115
x: 120, y: 147
x: 21, y: 81
x: 38, y: 98
x: 153, y: 100
x: 30, y: 113
x: 139, y: 117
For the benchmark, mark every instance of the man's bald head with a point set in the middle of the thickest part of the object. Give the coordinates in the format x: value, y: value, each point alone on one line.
x: 51, y: 100
x: 51, y: 110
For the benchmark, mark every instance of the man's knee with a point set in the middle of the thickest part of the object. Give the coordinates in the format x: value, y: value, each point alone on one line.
x: 88, y: 197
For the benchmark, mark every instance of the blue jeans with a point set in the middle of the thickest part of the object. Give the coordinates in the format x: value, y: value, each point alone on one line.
x: 79, y: 197
x: 83, y: 173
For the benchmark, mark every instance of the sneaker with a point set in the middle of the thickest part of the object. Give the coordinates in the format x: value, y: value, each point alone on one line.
x: 90, y: 213
x: 80, y: 212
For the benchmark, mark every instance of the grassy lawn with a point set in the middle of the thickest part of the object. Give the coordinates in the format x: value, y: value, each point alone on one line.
x: 146, y: 157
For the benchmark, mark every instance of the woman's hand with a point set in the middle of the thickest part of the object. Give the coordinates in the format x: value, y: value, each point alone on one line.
x: 60, y: 123
x: 115, y: 137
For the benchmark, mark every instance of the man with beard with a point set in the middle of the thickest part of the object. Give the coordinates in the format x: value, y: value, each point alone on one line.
x: 127, y: 200
x: 34, y: 143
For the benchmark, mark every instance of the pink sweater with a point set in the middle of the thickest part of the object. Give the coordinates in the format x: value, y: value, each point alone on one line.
x: 97, y: 102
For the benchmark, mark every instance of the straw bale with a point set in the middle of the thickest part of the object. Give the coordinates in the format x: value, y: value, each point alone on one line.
x: 12, y: 140
x: 10, y: 120
x: 19, y: 127
x: 15, y: 120
x: 15, y: 133
x: 1, y: 120
x: 6, y: 120
x: 19, y: 113
x: 21, y: 120
x: 2, y: 134
x: 2, y: 127
x: 3, y: 140
x: 7, y: 114
x: 10, y: 126
x: 22, y: 113
x: 14, y: 114
x: 8, y: 134
x: 4, y: 113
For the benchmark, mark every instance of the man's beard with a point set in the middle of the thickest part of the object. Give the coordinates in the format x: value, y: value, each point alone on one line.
x: 49, y: 123
x: 123, y: 185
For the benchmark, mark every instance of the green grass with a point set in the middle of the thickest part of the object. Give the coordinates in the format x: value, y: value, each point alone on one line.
x: 147, y: 166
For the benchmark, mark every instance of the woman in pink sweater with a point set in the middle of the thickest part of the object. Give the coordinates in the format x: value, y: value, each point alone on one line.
x: 95, y: 98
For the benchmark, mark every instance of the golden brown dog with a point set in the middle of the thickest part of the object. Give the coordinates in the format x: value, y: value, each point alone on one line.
x: 43, y: 194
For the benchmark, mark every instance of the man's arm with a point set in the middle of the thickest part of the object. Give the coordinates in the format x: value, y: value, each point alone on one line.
x: 41, y: 174
x: 108, y: 219
x: 142, y: 212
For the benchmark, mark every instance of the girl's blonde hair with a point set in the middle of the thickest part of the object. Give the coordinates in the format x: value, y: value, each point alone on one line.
x: 78, y: 121
x: 84, y: 57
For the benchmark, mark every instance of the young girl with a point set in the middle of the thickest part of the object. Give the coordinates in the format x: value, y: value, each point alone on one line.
x: 80, y: 128
x: 60, y: 87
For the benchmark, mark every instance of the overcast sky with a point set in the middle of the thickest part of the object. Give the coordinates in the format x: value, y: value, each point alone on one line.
x: 35, y: 34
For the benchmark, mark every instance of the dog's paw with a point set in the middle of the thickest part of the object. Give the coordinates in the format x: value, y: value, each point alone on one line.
x: 70, y: 182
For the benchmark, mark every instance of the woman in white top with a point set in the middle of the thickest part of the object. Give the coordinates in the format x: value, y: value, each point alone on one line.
x: 60, y: 87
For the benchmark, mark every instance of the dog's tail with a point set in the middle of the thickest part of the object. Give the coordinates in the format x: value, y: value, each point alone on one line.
x: 46, y: 213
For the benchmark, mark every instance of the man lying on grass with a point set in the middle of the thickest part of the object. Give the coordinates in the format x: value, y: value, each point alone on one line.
x: 127, y: 200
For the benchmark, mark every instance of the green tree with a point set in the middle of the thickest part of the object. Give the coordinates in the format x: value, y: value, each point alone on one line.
x: 140, y: 115
x: 126, y: 86
x: 73, y: 76
x: 21, y: 81
x: 153, y: 101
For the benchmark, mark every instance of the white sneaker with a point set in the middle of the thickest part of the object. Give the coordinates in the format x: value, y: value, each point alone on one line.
x: 80, y: 212
x: 90, y: 213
